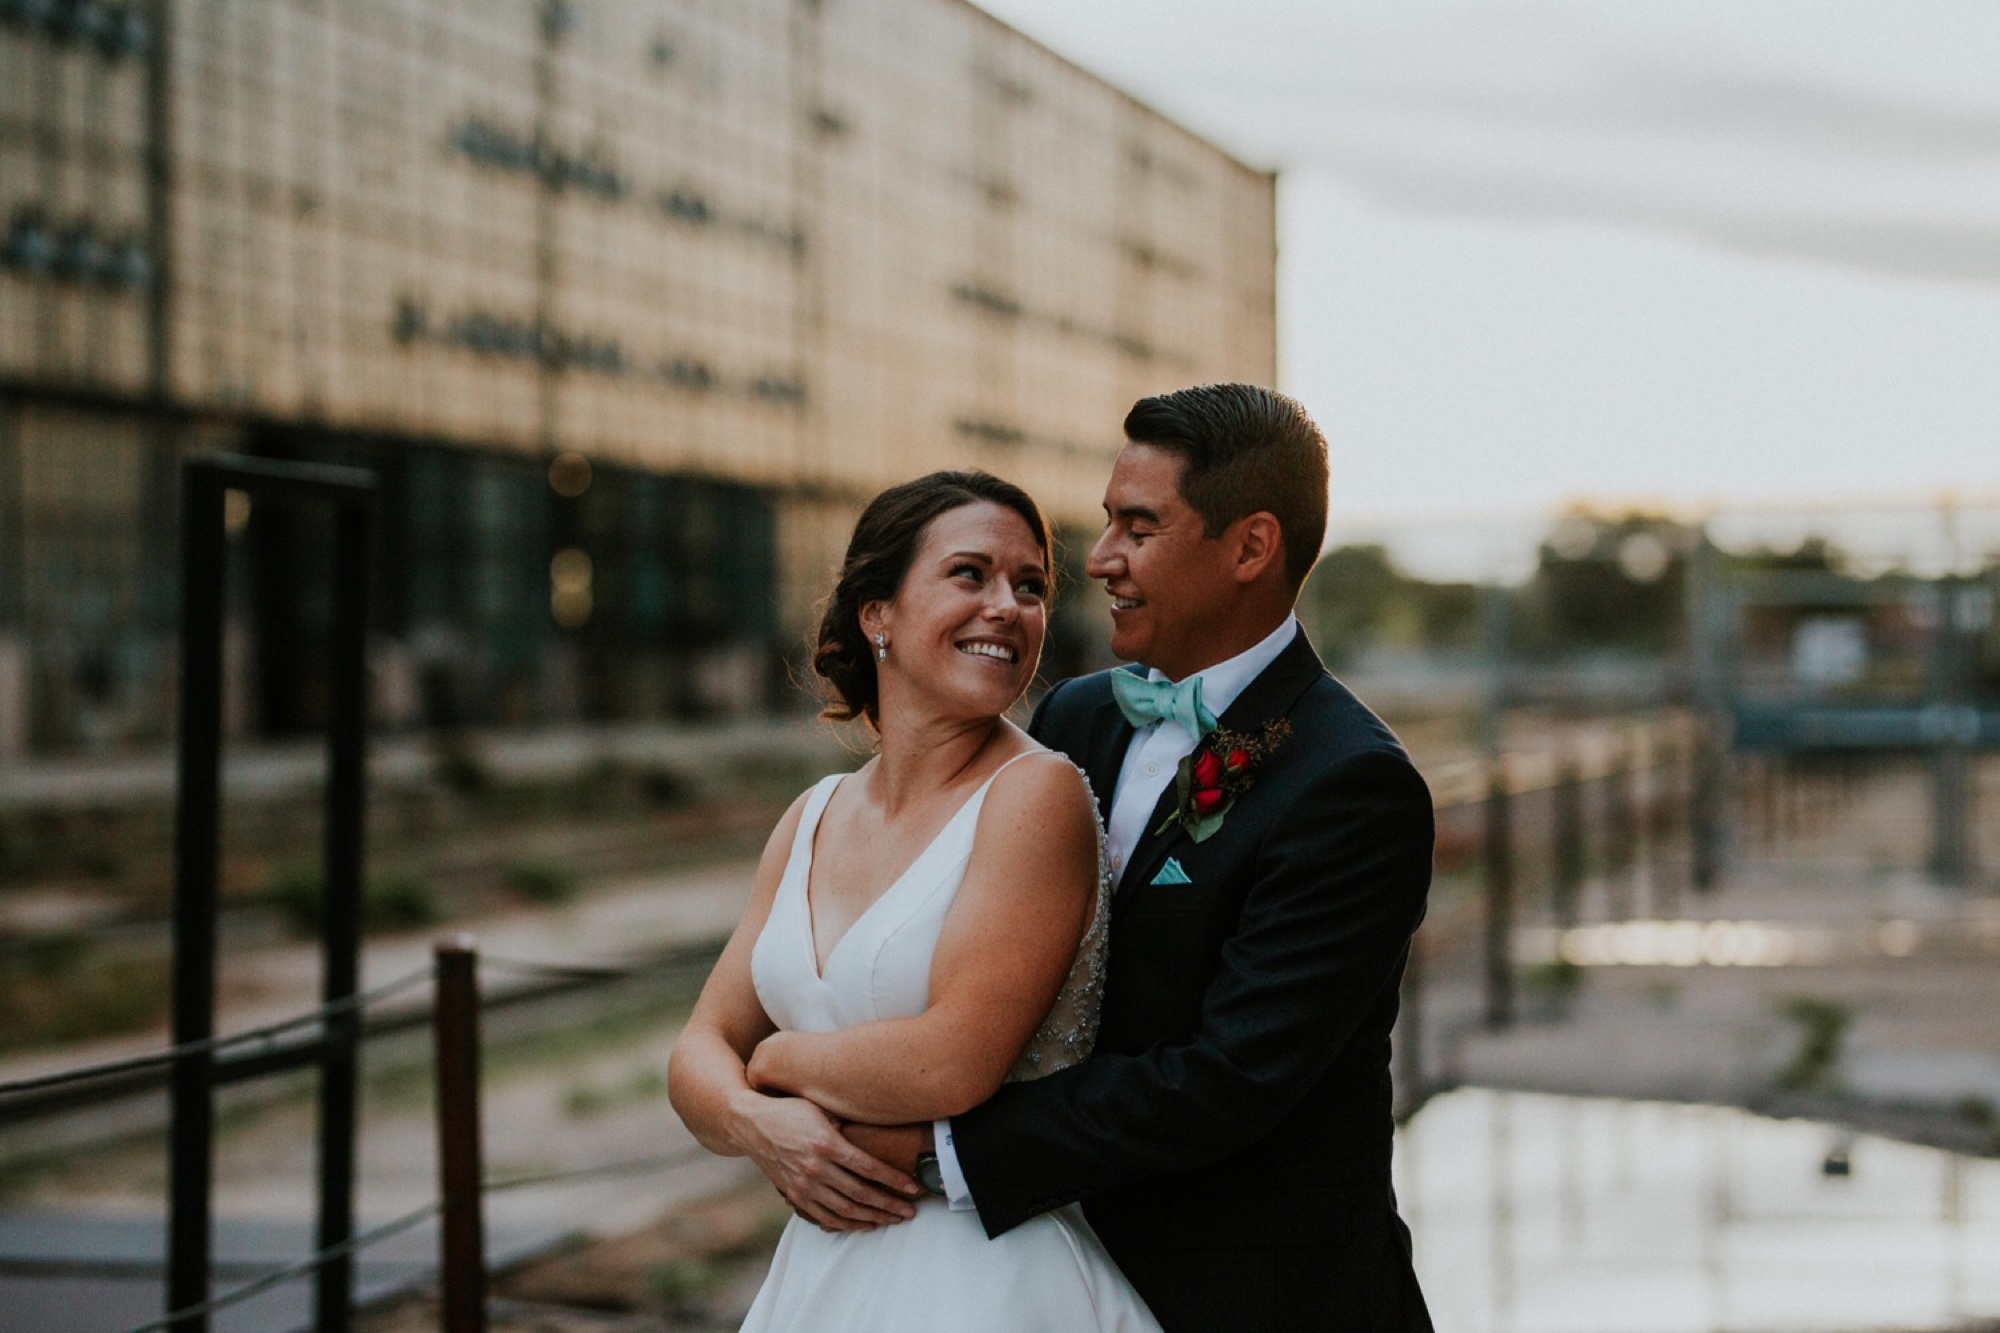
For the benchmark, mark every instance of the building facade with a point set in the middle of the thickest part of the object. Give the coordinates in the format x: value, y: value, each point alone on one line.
x: 629, y: 303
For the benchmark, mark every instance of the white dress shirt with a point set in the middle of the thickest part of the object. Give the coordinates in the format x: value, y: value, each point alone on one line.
x: 1151, y: 760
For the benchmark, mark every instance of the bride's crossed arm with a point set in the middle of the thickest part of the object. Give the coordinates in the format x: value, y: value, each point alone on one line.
x: 1005, y: 949
x: 827, y: 1179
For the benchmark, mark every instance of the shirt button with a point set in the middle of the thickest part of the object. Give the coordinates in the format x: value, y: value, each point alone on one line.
x: 1152, y: 770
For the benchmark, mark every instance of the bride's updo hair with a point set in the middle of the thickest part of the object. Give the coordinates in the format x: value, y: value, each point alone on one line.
x: 884, y: 545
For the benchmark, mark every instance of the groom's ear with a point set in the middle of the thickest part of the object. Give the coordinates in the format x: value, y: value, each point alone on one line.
x: 1257, y: 545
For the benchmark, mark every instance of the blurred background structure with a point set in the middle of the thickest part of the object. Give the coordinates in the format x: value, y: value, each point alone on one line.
x: 628, y: 304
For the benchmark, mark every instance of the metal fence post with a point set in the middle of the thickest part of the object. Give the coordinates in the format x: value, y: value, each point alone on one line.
x: 346, y: 824
x: 1499, y: 899
x: 196, y: 839
x: 462, y: 1236
x: 197, y: 842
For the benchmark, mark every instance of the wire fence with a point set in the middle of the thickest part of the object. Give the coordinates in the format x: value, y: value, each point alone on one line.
x: 265, y: 1034
x: 291, y: 1272
x: 59, y: 1092
x: 414, y: 1218
x: 120, y: 1078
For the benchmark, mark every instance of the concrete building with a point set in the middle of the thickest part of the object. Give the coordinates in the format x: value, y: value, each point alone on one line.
x: 629, y: 302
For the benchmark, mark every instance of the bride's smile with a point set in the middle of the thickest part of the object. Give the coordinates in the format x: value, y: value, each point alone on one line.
x: 989, y: 648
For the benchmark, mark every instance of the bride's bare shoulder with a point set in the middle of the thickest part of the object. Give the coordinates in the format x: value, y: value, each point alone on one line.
x: 1044, y: 782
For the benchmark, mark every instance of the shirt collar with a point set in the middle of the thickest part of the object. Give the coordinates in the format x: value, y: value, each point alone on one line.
x: 1225, y: 680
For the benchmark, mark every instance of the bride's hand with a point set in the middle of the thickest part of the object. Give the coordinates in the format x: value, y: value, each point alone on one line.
x: 827, y: 1180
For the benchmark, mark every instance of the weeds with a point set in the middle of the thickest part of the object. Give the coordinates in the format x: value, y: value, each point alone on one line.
x: 394, y: 900
x: 1553, y: 986
x: 540, y: 881
x: 586, y: 1099
x: 1981, y: 1114
x: 457, y: 764
x: 54, y: 989
x: 684, y: 1286
x: 662, y: 786
x: 1823, y: 1024
x: 1978, y: 1111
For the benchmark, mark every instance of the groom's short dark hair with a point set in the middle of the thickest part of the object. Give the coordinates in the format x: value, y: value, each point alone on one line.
x: 1243, y: 449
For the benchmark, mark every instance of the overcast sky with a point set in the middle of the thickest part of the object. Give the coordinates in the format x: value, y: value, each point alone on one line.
x: 1542, y: 250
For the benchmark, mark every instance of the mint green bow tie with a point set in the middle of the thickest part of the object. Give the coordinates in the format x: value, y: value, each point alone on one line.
x: 1145, y: 701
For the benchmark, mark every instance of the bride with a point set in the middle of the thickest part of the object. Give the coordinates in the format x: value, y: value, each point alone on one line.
x: 919, y: 931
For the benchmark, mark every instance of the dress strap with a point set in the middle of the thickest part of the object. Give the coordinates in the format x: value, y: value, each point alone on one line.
x: 816, y: 801
x: 1025, y: 754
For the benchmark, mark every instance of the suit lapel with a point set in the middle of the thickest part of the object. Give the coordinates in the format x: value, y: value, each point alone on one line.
x: 1103, y: 753
x: 1270, y: 695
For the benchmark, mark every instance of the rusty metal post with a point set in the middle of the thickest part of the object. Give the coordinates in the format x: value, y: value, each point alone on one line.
x: 1499, y: 900
x: 462, y: 1236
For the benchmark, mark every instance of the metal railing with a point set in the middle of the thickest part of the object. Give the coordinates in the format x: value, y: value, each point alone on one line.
x: 196, y: 1072
x: 453, y: 1016
x: 1529, y: 829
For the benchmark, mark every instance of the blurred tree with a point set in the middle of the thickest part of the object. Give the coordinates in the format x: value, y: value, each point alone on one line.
x: 1357, y: 600
x: 1349, y: 595
x: 1605, y: 582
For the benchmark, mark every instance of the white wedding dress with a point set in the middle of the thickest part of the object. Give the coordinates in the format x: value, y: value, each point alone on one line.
x: 937, y: 1271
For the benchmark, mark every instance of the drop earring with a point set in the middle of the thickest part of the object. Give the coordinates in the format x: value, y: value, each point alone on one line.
x: 881, y: 646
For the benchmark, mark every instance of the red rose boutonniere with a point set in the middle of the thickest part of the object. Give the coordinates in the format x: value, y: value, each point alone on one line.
x: 1221, y: 769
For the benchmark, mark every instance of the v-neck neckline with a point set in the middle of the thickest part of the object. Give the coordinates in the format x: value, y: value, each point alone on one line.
x: 819, y: 967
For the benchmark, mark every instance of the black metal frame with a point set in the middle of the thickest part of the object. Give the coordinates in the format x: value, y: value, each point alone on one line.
x: 196, y: 1075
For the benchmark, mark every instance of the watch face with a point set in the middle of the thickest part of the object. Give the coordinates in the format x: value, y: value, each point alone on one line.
x: 929, y: 1174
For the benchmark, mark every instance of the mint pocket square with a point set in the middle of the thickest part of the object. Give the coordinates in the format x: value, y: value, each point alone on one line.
x: 1171, y: 873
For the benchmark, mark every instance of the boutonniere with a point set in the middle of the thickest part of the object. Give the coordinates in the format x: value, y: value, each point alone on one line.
x: 1222, y: 768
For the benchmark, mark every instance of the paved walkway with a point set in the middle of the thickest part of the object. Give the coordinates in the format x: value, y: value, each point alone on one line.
x: 1915, y: 967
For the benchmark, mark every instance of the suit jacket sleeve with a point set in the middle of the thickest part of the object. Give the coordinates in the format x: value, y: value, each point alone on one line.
x: 1338, y: 889
x: 1038, y: 722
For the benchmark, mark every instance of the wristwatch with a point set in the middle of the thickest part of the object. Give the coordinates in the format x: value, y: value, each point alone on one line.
x: 929, y: 1174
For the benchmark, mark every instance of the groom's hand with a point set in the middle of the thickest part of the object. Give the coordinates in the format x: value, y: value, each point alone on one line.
x: 826, y: 1179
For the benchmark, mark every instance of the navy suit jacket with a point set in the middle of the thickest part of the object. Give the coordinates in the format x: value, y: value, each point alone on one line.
x: 1230, y: 1138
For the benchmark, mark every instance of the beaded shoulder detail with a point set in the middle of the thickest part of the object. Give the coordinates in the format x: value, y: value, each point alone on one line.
x: 1069, y: 1031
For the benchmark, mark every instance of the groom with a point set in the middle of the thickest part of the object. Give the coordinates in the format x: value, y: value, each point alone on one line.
x: 1231, y: 1136
x: 1271, y: 845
